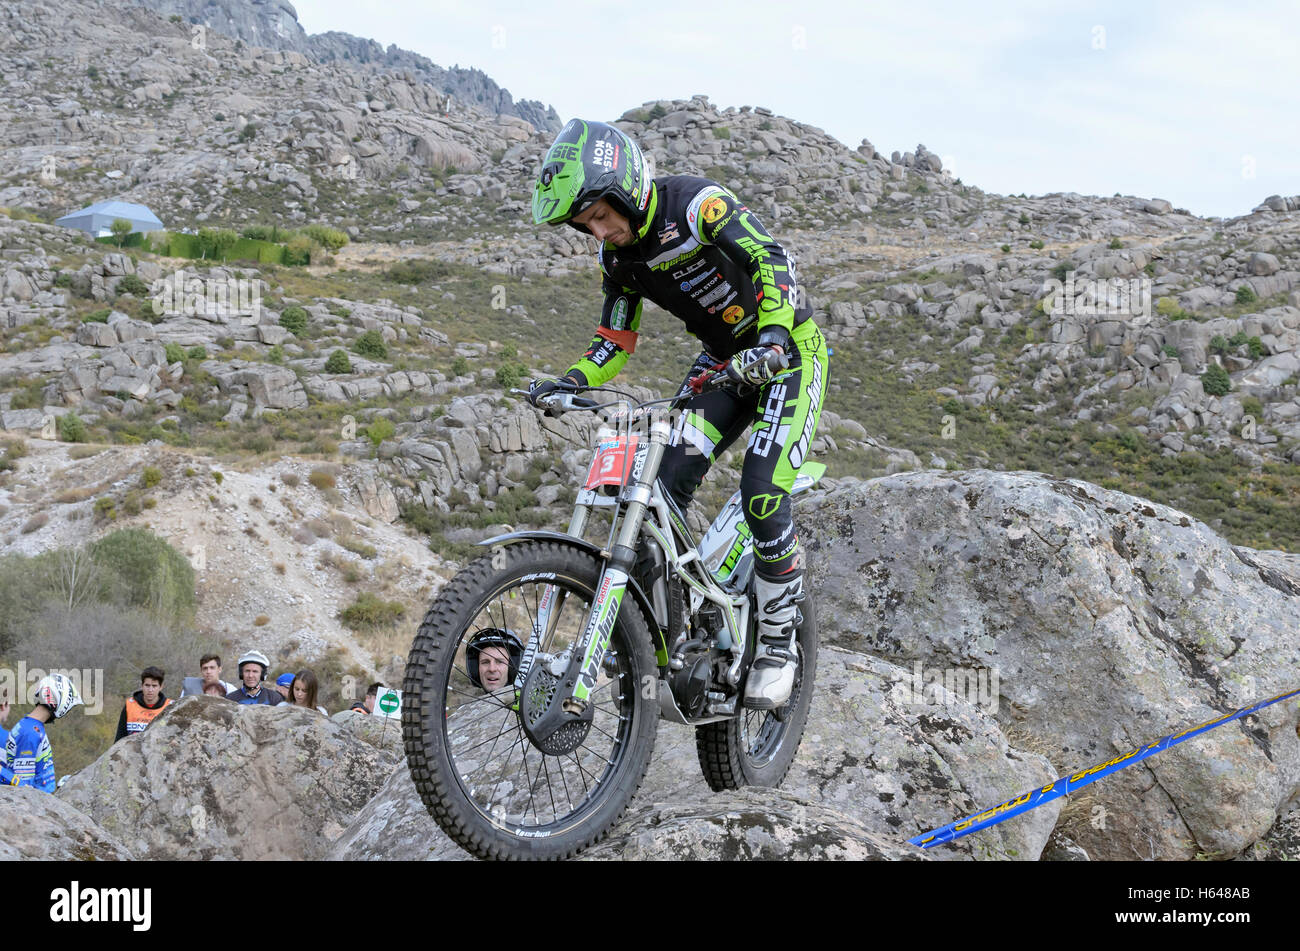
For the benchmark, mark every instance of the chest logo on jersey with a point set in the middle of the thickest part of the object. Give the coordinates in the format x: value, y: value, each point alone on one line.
x: 670, y: 233
x: 733, y: 313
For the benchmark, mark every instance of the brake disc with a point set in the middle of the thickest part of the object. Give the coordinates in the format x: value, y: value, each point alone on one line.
x: 541, y: 693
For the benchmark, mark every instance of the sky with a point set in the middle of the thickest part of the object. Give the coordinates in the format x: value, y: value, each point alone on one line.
x: 1196, y: 103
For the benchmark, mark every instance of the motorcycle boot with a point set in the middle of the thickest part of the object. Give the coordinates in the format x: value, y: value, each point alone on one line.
x: 771, y: 678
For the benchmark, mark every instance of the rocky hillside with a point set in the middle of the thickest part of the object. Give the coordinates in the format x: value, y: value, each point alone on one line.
x: 274, y: 25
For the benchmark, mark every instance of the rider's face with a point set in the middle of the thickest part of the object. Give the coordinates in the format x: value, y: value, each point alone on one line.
x: 606, y: 224
x: 493, y: 667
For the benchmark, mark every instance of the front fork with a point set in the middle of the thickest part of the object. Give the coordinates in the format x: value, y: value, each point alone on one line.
x: 579, y: 677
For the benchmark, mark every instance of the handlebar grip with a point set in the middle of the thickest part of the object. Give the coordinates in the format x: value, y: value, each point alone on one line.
x: 776, y: 362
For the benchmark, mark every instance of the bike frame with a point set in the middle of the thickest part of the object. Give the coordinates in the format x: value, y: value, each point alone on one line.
x: 717, y: 571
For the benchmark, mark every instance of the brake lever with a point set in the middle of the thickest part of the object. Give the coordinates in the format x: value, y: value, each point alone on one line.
x: 697, y: 383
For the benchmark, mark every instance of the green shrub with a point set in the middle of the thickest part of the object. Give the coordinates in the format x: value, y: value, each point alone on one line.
x: 294, y: 320
x: 508, y: 375
x: 1219, y: 344
x: 1256, y: 347
x: 380, y: 429
x: 130, y: 284
x: 1246, y: 295
x: 275, y: 354
x: 298, y: 251
x: 1170, y: 351
x: 1252, y: 407
x: 721, y: 132
x: 338, y: 362
x: 330, y: 238
x: 369, y: 612
x: 97, y: 316
x: 1024, y: 218
x: 1006, y: 249
x: 142, y: 570
x: 1036, y: 245
x: 71, y: 428
x: 1116, y: 244
x: 371, y: 344
x: 459, y: 366
x: 197, y: 353
x: 418, y: 271
x: 105, y: 507
x: 248, y: 132
x: 174, y: 353
x: 150, y: 477
x: 1215, y: 381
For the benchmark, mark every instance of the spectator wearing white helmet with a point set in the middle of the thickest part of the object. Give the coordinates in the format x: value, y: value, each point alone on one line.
x: 28, y: 759
x: 253, y: 668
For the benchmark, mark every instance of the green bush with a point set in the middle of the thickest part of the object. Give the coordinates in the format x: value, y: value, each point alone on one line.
x: 71, y: 428
x: 248, y: 133
x: 298, y: 251
x: 1036, y: 245
x: 721, y: 132
x: 97, y: 316
x: 141, y: 570
x: 338, y: 362
x: 150, y: 477
x: 175, y: 354
x: 380, y: 429
x: 130, y: 284
x: 1006, y: 249
x: 197, y: 353
x: 459, y: 366
x: 1215, y: 381
x: 1256, y: 347
x: 275, y: 354
x: 1219, y: 344
x: 294, y: 320
x: 1170, y: 351
x: 1246, y: 295
x: 1252, y: 407
x: 1116, y: 244
x: 371, y: 344
x: 508, y: 375
x: 418, y: 271
x: 330, y: 238
x: 369, y: 612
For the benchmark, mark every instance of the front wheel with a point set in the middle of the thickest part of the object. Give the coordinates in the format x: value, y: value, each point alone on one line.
x: 483, y: 772
x: 756, y: 747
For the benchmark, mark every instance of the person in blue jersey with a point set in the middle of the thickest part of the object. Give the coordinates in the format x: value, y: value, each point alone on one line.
x: 28, y: 759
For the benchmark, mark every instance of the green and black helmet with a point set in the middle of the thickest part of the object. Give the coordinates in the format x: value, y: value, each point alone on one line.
x: 589, y: 161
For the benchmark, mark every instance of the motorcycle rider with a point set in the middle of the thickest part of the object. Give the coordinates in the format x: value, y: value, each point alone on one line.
x: 694, y: 248
x: 27, y: 759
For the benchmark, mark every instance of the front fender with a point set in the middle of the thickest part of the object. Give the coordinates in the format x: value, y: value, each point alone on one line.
x: 658, y: 642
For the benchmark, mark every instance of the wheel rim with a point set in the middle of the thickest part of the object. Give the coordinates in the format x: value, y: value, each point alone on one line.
x: 504, y: 777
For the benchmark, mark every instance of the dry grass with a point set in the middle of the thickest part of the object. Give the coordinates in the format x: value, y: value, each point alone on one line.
x: 69, y: 496
x: 85, y: 452
x: 322, y: 479
x: 35, y: 523
x: 261, y: 620
x: 318, y: 527
x: 290, y: 478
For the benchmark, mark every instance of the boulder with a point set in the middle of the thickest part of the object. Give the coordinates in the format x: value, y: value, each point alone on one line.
x: 877, y: 764
x: 209, y: 770
x: 1112, y: 621
x: 36, y: 825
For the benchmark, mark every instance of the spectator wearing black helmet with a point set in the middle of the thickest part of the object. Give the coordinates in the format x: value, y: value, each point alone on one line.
x: 492, y: 659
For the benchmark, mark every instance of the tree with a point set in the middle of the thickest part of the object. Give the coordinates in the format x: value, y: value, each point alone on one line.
x: 222, y: 242
x: 120, y: 228
x: 371, y: 344
x: 338, y: 363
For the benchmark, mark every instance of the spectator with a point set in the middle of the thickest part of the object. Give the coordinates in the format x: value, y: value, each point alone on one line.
x: 303, y: 691
x: 214, y: 690
x: 210, y: 668
x: 253, y: 668
x: 284, y: 684
x: 492, y: 659
x: 28, y: 759
x: 367, y: 705
x: 141, y: 708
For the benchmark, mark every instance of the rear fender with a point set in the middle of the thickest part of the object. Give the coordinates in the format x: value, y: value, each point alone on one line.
x: 657, y: 637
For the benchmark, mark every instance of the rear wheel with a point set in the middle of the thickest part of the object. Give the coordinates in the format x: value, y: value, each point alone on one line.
x: 474, y: 755
x: 756, y: 747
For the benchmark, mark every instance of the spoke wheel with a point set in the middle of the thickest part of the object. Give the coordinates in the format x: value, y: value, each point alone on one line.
x: 490, y: 781
x: 756, y: 747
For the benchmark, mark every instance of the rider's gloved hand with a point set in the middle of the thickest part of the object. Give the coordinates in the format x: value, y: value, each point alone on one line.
x: 540, y: 388
x: 756, y: 365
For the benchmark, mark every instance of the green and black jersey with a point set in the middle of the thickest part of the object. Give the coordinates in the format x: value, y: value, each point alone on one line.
x: 705, y: 257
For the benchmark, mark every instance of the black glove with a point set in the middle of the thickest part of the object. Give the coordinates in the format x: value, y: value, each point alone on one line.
x: 539, y: 388
x: 756, y: 365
